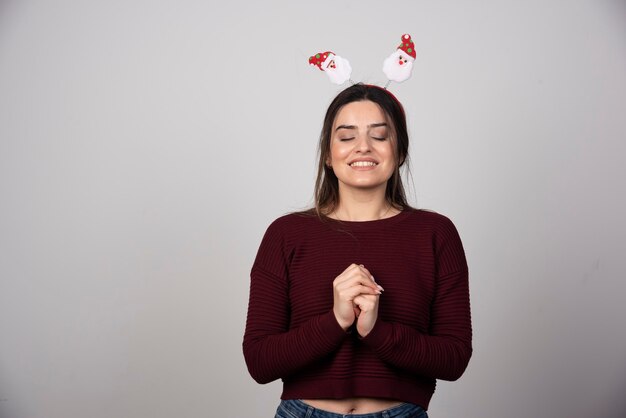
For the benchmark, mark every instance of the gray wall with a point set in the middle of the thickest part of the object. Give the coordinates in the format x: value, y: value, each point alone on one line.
x: 146, y: 145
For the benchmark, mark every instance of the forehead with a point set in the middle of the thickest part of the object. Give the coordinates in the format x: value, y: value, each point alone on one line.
x: 363, y: 112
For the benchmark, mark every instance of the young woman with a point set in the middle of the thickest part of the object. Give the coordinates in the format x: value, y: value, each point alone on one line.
x: 361, y: 303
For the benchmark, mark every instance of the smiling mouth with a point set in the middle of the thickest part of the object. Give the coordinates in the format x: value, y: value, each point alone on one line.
x: 363, y: 164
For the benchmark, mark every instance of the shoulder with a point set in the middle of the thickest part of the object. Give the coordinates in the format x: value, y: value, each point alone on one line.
x: 284, y: 235
x: 295, y: 220
x: 431, y: 219
x: 445, y: 240
x: 293, y: 225
x: 438, y: 228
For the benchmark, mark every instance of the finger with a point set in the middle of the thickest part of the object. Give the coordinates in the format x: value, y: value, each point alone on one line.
x: 350, y: 293
x: 369, y: 274
x: 352, y: 277
x: 368, y: 280
x: 347, y: 273
x: 350, y: 267
x: 358, y: 278
x: 365, y: 298
x: 366, y: 303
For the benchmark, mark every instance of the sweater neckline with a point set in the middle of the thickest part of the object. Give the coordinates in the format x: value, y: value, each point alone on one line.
x: 375, y: 223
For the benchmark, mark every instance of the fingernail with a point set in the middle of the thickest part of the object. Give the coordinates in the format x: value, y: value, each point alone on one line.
x: 380, y: 288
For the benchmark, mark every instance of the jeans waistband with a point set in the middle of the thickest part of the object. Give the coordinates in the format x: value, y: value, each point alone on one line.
x: 295, y: 408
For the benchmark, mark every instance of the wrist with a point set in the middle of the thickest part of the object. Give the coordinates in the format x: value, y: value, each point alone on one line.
x: 363, y: 332
x: 345, y: 325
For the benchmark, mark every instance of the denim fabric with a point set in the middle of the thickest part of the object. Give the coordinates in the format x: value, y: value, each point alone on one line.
x: 294, y: 408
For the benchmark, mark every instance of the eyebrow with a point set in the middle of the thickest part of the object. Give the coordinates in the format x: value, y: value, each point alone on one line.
x: 370, y: 126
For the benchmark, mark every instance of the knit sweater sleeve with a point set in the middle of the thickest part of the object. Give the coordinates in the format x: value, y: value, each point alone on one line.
x: 443, y: 352
x: 271, y: 349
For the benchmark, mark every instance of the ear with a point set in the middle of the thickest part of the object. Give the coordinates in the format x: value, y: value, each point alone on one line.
x: 329, y: 163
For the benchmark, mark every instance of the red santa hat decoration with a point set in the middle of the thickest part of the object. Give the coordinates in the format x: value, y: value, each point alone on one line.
x: 397, y: 67
x: 407, y: 45
x: 336, y: 68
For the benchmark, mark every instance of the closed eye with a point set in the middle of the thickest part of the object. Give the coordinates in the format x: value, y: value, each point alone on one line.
x: 346, y: 139
x: 379, y: 138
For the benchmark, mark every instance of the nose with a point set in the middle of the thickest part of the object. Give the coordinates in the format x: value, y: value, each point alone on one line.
x: 363, y: 144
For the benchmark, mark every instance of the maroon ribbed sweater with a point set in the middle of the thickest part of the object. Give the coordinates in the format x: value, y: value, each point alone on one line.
x: 423, y: 331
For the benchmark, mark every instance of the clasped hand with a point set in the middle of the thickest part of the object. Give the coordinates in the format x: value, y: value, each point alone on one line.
x: 356, y: 295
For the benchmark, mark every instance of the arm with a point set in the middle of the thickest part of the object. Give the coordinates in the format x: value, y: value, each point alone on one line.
x: 445, y: 351
x: 271, y: 349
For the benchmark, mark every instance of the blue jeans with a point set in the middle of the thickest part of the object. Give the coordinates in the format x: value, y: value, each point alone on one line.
x: 294, y: 408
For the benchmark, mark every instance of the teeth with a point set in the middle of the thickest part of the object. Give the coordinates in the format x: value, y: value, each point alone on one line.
x: 363, y: 164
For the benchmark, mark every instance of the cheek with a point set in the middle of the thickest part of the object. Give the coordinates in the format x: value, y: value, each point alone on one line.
x: 392, y: 158
x: 337, y: 151
x: 387, y: 150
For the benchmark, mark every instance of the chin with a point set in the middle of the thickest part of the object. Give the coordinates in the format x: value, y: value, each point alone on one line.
x: 365, y: 185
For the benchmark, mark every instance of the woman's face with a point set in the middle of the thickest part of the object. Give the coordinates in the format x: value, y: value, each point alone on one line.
x: 362, y: 147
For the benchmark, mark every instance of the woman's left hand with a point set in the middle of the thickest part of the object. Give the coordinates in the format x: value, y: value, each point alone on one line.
x: 368, y: 313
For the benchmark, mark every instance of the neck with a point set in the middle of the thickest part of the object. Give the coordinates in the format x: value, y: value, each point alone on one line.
x: 355, y: 205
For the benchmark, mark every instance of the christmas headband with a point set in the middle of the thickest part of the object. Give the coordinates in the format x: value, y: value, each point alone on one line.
x: 397, y: 66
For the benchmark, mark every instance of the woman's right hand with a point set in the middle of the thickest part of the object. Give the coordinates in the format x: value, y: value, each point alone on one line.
x: 354, y: 281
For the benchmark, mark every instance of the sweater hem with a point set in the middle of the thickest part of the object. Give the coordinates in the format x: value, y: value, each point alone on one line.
x: 384, y: 388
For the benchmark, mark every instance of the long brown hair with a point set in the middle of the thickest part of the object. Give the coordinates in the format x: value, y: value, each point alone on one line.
x: 326, y: 184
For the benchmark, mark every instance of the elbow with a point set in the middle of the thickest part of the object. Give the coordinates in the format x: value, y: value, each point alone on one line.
x: 459, y: 365
x: 259, y: 377
x: 258, y: 374
x: 255, y: 367
x: 454, y: 376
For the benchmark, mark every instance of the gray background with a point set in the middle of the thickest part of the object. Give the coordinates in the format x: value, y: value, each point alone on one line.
x: 146, y: 145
